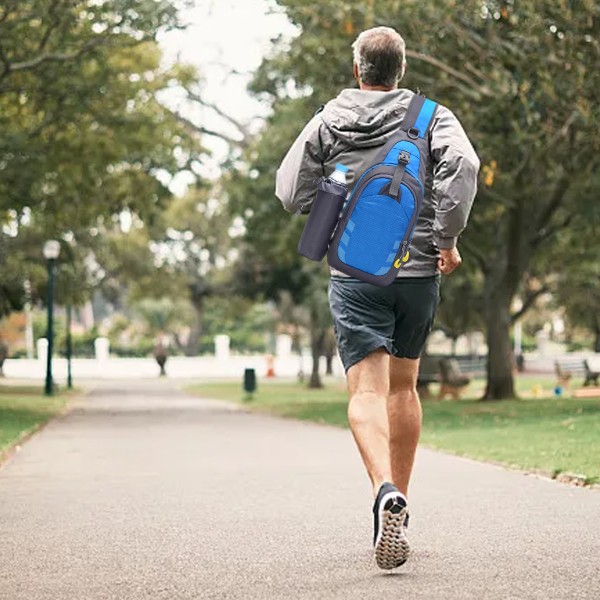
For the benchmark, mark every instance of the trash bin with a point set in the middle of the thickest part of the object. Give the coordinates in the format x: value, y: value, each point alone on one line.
x: 249, y: 381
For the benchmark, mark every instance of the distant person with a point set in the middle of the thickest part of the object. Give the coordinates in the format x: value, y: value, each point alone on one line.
x: 160, y: 355
x: 381, y: 332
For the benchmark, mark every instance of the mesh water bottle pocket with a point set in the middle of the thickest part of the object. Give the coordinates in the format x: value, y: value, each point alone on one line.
x: 322, y: 219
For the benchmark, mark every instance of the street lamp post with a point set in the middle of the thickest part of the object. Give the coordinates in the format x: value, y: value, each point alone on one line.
x: 51, y: 252
x: 69, y: 348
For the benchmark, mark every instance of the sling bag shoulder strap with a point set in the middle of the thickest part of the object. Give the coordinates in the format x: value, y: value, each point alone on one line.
x: 418, y: 117
x: 416, y: 122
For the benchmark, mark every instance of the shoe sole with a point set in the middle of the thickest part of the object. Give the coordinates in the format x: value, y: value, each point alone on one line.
x: 392, y: 548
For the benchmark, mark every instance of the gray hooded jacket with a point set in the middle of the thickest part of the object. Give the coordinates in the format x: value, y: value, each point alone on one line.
x: 350, y: 130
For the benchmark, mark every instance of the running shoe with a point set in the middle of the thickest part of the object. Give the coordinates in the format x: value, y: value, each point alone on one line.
x: 391, y: 519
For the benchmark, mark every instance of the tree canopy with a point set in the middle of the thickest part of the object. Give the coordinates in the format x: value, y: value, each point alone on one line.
x: 83, y: 135
x: 522, y: 77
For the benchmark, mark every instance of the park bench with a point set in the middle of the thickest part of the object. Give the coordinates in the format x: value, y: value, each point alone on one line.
x: 429, y: 372
x: 445, y: 371
x: 566, y: 368
x: 453, y: 380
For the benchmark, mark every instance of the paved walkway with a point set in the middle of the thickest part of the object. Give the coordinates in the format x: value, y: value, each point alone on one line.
x: 142, y: 492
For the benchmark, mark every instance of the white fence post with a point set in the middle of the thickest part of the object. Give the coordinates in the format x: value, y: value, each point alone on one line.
x: 221, y: 347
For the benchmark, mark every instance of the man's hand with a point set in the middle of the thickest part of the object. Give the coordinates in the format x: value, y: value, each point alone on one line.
x: 448, y: 261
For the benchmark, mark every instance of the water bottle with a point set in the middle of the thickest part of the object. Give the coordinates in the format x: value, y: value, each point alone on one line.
x: 324, y: 214
x: 339, y: 174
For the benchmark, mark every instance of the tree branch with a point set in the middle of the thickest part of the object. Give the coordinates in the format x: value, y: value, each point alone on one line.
x: 543, y: 234
x: 205, y: 130
x: 528, y: 302
x: 241, y: 127
x: 230, y: 71
x: 450, y: 71
x: 47, y: 56
x: 7, y: 8
x: 553, y: 204
x: 57, y: 56
x: 54, y: 21
x: 477, y: 72
x: 5, y: 62
x: 488, y: 191
x: 475, y: 253
x: 560, y: 132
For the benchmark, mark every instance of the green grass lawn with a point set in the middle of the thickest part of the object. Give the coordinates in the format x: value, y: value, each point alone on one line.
x: 542, y: 434
x: 22, y: 409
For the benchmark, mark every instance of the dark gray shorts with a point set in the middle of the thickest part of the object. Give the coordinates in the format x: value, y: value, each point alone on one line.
x: 397, y: 317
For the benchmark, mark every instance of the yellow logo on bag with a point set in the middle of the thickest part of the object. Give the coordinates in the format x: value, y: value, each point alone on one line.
x: 400, y: 261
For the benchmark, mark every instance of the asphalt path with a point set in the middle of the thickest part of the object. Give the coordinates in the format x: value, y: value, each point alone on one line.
x: 143, y: 492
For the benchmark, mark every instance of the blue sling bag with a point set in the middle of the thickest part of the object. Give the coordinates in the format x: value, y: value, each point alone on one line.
x: 373, y: 236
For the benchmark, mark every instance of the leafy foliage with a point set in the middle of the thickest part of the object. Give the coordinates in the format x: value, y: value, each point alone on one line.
x: 523, y: 79
x: 82, y: 133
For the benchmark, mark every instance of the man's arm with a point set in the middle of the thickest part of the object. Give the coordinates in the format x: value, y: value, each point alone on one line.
x: 296, y: 181
x: 454, y: 177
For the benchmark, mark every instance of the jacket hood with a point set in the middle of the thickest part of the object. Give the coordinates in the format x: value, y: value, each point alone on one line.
x: 363, y: 118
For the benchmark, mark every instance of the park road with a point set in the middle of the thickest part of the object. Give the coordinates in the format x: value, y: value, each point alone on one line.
x: 143, y: 492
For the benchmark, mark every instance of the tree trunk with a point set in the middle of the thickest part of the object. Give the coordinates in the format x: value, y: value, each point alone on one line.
x: 193, y: 344
x: 453, y: 347
x: 500, y: 384
x: 329, y: 350
x: 316, y: 342
x: 315, y: 378
x: 501, y: 282
x: 596, y: 331
x: 329, y: 364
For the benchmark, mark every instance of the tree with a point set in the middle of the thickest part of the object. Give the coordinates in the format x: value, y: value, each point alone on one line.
x: 319, y: 321
x: 100, y: 151
x: 70, y: 72
x: 268, y: 263
x: 192, y: 242
x: 163, y: 315
x: 535, y: 91
x: 122, y: 266
x: 523, y: 80
x: 460, y: 309
x: 83, y: 135
x: 577, y: 284
x: 36, y: 34
x: 12, y: 290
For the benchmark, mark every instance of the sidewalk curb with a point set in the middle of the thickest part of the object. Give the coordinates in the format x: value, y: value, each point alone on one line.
x: 9, y: 453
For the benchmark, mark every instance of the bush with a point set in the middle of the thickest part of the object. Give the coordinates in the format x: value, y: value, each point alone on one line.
x: 574, y: 346
x: 141, y: 349
x: 82, y: 344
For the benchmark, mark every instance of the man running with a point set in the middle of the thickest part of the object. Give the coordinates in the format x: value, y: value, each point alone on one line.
x: 381, y: 332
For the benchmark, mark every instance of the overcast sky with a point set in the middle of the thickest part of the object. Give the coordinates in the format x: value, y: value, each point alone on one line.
x: 226, y: 35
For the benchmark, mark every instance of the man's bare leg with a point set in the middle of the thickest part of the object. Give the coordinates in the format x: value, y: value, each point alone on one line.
x: 368, y: 384
x: 404, y: 413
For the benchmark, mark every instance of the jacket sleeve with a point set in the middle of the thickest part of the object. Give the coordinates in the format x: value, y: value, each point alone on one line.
x: 454, y: 177
x: 296, y: 180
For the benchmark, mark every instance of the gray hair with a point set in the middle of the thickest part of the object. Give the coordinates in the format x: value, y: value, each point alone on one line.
x: 379, y: 54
